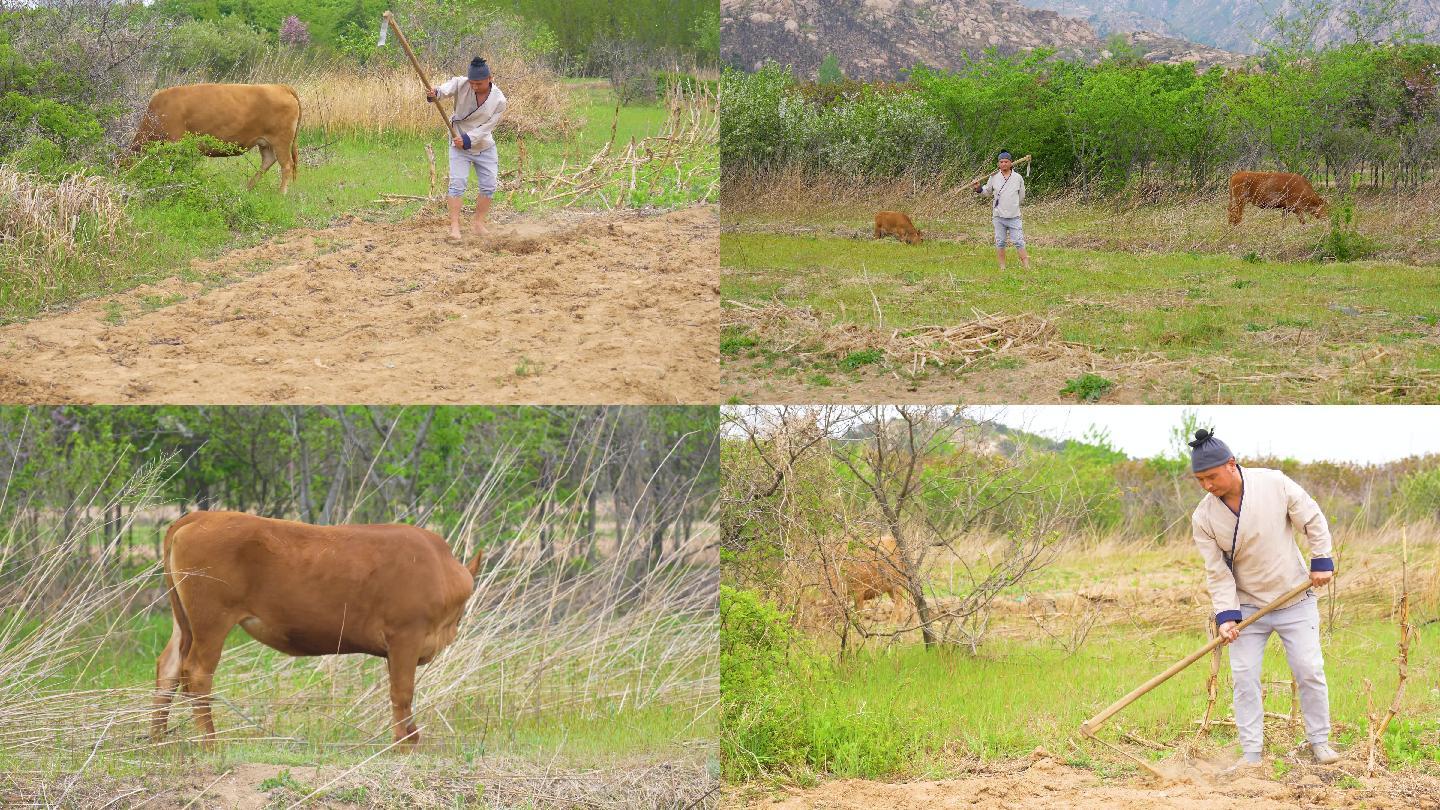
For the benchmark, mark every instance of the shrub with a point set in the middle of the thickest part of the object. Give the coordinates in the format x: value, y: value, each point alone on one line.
x: 213, y: 50
x: 1420, y: 494
x: 1343, y: 243
x: 765, y: 669
x: 172, y: 174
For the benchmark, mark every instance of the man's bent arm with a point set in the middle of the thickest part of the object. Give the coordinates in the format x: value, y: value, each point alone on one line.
x: 1219, y: 580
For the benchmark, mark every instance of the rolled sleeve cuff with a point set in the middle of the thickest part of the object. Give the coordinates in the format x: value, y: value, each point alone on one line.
x: 1227, y: 616
x: 1322, y: 564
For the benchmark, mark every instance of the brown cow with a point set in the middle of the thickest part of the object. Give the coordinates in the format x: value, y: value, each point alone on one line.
x: 872, y: 572
x: 242, y: 115
x: 1283, y: 190
x: 897, y: 224
x: 391, y: 591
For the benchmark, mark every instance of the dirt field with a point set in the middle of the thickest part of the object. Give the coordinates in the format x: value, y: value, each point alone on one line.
x: 383, y: 782
x: 1044, y: 782
x: 571, y: 308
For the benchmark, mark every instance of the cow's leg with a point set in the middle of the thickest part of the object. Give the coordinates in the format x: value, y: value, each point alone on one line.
x: 402, y: 659
x: 267, y: 159
x: 167, y: 678
x: 1237, y: 210
x: 198, y: 670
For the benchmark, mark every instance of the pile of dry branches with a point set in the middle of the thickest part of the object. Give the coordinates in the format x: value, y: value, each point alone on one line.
x: 801, y: 331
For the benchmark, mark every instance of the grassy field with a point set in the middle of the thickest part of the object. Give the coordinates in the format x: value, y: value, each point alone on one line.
x: 912, y: 713
x: 1085, y: 630
x: 1163, y: 304
x: 344, y: 177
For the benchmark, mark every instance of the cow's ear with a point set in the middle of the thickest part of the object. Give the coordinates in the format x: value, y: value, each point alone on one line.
x: 474, y: 564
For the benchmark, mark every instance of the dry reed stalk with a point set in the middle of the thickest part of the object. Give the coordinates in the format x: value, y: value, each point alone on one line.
x: 1402, y: 664
x: 50, y: 215
x: 387, y: 100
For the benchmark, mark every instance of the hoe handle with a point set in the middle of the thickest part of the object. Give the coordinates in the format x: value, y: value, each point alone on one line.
x: 982, y: 178
x: 1089, y: 727
x: 419, y: 71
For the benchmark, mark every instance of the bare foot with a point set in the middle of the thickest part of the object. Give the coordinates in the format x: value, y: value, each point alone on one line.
x: 479, y: 229
x: 454, y: 235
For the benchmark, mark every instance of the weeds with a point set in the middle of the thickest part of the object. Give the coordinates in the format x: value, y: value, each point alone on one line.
x: 1087, y: 387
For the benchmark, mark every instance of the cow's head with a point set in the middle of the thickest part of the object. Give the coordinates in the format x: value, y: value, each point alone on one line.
x: 1316, y: 205
x: 914, y: 237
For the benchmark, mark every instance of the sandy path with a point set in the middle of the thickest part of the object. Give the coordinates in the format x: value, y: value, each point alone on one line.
x: 1046, y: 783
x: 572, y: 308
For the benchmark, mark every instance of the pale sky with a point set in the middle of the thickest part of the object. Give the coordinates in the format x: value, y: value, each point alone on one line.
x: 1355, y: 433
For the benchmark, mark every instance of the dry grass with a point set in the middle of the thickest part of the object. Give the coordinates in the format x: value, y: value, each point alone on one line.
x: 542, y: 638
x: 45, y: 222
x: 801, y: 332
x: 390, y: 99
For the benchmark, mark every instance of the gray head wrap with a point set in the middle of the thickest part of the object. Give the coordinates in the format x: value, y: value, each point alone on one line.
x: 1207, y: 451
x: 478, y: 70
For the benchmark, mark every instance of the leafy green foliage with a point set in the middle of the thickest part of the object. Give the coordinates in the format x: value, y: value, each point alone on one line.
x: 1100, y: 127
x: 214, y: 49
x: 1343, y: 243
x: 1087, y: 387
x: 171, y: 176
x: 830, y: 72
x: 765, y: 672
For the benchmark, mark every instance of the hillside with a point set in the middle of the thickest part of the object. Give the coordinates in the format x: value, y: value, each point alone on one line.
x: 1234, y: 25
x: 880, y: 39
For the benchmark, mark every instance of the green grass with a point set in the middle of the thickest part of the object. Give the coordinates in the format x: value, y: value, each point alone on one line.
x: 339, y: 178
x: 912, y: 712
x: 1189, y: 307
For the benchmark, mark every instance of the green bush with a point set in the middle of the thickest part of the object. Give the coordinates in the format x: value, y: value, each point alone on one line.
x: 765, y: 671
x: 24, y: 117
x: 173, y: 175
x: 213, y: 49
x: 1087, y: 387
x: 1420, y: 494
x: 1343, y: 243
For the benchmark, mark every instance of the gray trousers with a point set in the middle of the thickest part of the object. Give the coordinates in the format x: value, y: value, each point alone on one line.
x: 1299, y: 629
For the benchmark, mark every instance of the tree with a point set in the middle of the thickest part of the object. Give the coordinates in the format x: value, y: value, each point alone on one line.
x: 830, y: 72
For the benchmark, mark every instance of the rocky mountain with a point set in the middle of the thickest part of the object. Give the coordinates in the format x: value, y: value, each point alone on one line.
x: 880, y: 39
x: 1234, y: 25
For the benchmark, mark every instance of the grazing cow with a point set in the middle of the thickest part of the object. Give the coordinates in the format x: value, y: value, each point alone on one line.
x: 391, y: 591
x: 1283, y: 190
x: 244, y: 116
x: 872, y: 572
x: 897, y: 224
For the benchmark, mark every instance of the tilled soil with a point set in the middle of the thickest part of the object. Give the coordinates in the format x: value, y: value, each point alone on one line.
x: 1044, y: 782
x: 572, y: 308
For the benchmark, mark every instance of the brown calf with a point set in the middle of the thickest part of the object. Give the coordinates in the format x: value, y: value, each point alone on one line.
x: 391, y: 591
x: 1283, y: 190
x: 897, y: 224
x: 873, y: 572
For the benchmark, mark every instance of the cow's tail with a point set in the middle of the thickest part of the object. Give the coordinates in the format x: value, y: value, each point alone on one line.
x: 295, y: 136
x: 177, y: 606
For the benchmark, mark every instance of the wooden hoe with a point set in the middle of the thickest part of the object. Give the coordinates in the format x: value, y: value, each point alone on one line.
x: 387, y: 22
x: 1013, y: 165
x: 1089, y: 727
